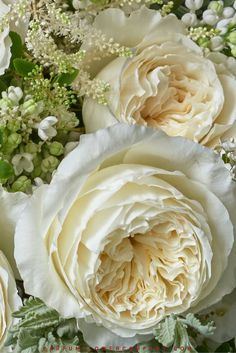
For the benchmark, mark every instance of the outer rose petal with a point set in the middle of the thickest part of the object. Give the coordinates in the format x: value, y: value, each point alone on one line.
x: 12, y: 204
x: 206, y: 117
x: 9, y: 299
x: 198, y: 174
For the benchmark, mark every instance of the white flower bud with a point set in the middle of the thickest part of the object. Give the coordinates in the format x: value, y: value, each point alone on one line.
x: 228, y: 12
x: 193, y: 4
x: 46, y: 129
x: 234, y: 5
x: 210, y: 17
x: 217, y: 43
x: 70, y: 146
x: 222, y: 25
x: 21, y: 162
x: 217, y: 6
x: 14, y: 94
x: 190, y: 19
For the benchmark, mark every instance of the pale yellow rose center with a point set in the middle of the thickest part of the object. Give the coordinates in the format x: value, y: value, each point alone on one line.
x: 147, y: 275
x: 171, y: 88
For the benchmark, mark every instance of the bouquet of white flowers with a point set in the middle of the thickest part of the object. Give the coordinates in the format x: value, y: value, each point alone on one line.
x: 117, y: 176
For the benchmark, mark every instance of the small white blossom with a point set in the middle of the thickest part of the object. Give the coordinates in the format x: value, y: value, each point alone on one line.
x: 222, y: 25
x: 217, y: 43
x: 228, y: 12
x: 21, y: 162
x: 189, y: 19
x: 193, y: 4
x: 70, y: 146
x: 45, y: 128
x: 14, y: 94
x: 210, y: 17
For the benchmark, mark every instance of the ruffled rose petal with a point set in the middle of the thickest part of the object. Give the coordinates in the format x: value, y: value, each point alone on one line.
x: 78, y: 236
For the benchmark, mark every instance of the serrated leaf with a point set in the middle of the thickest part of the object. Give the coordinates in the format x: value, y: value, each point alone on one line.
x: 67, y: 78
x: 205, y: 330
x: 182, y: 342
x: 45, y: 319
x: 17, y: 46
x: 165, y: 331
x: 6, y: 170
x: 27, y: 338
x: 23, y: 67
x: 67, y: 328
x: 30, y: 305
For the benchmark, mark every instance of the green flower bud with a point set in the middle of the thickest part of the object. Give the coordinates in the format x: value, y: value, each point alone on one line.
x: 31, y: 148
x: 14, y: 139
x: 233, y: 51
x: 216, y: 6
x: 36, y: 172
x: 204, y: 42
x: 49, y: 164
x: 22, y: 184
x: 56, y: 148
x: 14, y: 125
x: 29, y: 107
x: 232, y: 37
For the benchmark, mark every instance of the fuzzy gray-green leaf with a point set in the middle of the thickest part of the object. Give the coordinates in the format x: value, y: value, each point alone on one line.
x: 165, y: 331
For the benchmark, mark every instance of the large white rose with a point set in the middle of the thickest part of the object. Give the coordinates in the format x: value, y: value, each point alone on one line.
x: 11, y: 206
x: 9, y: 299
x: 5, y: 41
x: 134, y: 226
x: 167, y: 84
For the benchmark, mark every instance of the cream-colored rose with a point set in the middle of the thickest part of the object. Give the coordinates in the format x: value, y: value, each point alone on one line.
x: 134, y: 226
x: 5, y: 41
x: 11, y: 206
x: 167, y: 84
x: 9, y: 299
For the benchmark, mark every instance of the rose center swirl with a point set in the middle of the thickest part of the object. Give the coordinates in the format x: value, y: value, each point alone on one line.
x: 145, y: 275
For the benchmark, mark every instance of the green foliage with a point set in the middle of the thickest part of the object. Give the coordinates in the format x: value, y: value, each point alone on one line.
x: 205, y: 330
x: 3, y: 86
x: 23, y: 67
x: 165, y: 331
x: 67, y: 78
x: 6, y: 170
x: 39, y: 328
x: 172, y: 332
x: 17, y: 46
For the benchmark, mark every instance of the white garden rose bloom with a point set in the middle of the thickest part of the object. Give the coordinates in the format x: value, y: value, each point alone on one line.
x: 135, y: 225
x: 5, y: 41
x: 9, y: 299
x: 167, y: 84
x: 11, y: 206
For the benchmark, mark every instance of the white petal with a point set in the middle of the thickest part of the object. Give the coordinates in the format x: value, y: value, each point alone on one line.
x: 12, y: 204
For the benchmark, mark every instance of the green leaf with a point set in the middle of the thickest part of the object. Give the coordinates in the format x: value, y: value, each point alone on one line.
x: 224, y: 347
x: 3, y: 86
x: 202, y: 349
x: 30, y: 306
x: 228, y: 3
x: 68, y: 78
x: 205, y: 330
x: 23, y: 67
x: 39, y: 327
x: 182, y: 342
x: 17, y: 46
x: 165, y: 331
x: 6, y: 170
